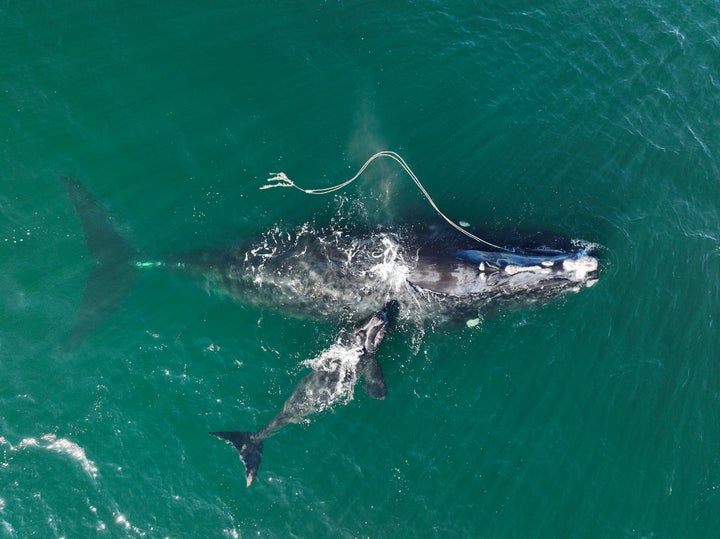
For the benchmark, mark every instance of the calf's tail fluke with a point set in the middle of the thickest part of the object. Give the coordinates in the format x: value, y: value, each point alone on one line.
x: 250, y: 448
x: 113, y: 273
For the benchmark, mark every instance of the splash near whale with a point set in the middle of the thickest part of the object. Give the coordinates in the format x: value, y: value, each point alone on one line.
x: 359, y: 276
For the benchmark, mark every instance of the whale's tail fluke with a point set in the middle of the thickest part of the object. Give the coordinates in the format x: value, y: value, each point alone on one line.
x: 249, y: 445
x: 113, y: 274
x: 374, y: 379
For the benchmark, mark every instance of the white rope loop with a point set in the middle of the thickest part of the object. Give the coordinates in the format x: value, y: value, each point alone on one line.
x: 281, y: 180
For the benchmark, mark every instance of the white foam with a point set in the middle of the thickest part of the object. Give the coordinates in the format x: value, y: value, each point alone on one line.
x: 73, y: 450
x: 343, y: 360
x: 58, y: 445
x: 9, y: 530
x: 26, y: 442
x: 121, y: 520
x: 392, y: 270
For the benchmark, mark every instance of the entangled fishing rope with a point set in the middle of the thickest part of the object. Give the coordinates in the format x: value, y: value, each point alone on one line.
x: 281, y: 180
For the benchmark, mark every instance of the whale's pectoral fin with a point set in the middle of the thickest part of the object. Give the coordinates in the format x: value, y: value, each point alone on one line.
x: 250, y: 449
x: 374, y: 384
x: 372, y: 335
x: 112, y: 275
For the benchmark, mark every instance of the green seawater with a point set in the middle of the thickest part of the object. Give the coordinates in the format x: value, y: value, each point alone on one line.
x: 594, y: 416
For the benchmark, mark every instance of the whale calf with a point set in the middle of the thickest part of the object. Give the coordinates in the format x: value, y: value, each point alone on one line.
x: 331, y: 380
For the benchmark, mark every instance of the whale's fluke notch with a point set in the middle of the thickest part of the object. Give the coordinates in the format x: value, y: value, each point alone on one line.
x: 250, y: 449
x: 113, y: 274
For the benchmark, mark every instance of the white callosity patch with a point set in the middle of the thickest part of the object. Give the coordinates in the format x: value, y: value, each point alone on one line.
x: 513, y: 270
x: 581, y: 268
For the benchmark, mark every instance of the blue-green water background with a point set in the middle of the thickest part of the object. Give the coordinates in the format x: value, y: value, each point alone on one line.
x: 595, y: 416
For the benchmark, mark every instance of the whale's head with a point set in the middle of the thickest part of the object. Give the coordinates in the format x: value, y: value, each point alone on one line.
x: 514, y: 274
x: 373, y: 331
x: 534, y: 273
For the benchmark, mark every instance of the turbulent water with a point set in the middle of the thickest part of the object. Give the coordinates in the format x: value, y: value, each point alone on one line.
x: 592, y: 416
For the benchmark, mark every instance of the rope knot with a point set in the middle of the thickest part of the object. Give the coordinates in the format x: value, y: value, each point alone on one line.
x: 280, y: 179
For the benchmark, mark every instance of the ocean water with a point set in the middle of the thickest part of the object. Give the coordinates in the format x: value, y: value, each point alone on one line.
x: 593, y: 416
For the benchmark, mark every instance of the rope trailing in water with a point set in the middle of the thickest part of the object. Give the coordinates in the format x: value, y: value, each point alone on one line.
x: 281, y: 180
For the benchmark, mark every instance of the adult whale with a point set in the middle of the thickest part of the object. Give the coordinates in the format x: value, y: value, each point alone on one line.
x: 332, y: 379
x: 339, y: 273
